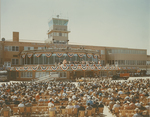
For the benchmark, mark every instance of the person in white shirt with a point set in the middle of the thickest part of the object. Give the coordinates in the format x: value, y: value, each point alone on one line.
x: 148, y: 106
x: 117, y: 105
x: 74, y: 97
x: 76, y: 105
x: 69, y: 106
x: 21, y: 104
x: 50, y: 103
x: 52, y: 108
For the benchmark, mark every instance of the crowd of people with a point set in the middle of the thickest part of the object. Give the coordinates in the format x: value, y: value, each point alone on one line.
x: 92, y: 93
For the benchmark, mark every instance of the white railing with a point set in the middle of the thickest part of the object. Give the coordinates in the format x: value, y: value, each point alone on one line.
x: 44, y: 78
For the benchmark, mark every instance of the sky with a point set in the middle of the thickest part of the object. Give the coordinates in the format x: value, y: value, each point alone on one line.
x: 114, y: 23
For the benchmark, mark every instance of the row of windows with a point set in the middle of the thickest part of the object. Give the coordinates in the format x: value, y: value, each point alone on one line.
x: 11, y: 48
x: 41, y: 74
x: 126, y: 62
x: 15, y: 62
x: 123, y: 51
x: 60, y: 42
x: 26, y: 74
x: 63, y: 75
x: 148, y: 62
x: 55, y: 59
x: 57, y: 34
x: 28, y: 48
x: 32, y: 48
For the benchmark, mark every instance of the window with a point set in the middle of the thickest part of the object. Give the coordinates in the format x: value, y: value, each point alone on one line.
x: 6, y: 48
x: 11, y: 48
x: 7, y: 64
x: 15, y: 62
x: 28, y: 48
x: 25, y: 48
x: 63, y: 75
x: 65, y: 34
x: 102, y: 51
x: 26, y: 74
x: 31, y: 48
x: 17, y: 48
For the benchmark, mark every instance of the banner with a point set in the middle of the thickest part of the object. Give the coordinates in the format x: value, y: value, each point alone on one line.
x: 64, y: 68
x: 104, y: 68
x: 128, y: 68
x: 48, y: 54
x: 74, y: 67
x: 81, y: 55
x: 23, y: 55
x: 25, y: 68
x: 43, y: 68
x: 54, y: 68
x: 95, y: 56
x: 99, y: 68
x: 11, y: 68
x: 124, y: 68
x: 92, y: 67
x: 84, y: 67
x: 37, y: 54
x: 89, y: 55
x: 97, y: 65
x: 30, y: 55
x: 18, y: 68
x: 35, y: 68
x: 59, y: 54
x: 70, y: 54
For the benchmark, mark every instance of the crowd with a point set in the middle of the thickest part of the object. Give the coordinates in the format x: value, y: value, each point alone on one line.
x: 92, y: 94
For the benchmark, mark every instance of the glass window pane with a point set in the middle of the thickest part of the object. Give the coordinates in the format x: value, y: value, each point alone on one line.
x: 17, y: 48
x: 6, y: 48
x: 10, y: 48
x: 25, y: 48
x: 13, y: 61
x: 13, y: 48
x: 17, y: 61
x: 31, y: 48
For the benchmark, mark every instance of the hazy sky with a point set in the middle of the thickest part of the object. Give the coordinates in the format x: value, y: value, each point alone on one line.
x: 116, y: 23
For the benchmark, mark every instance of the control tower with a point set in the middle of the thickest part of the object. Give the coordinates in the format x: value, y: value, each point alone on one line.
x: 58, y: 32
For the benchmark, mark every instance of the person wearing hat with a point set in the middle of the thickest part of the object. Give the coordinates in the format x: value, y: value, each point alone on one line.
x: 132, y: 105
x: 89, y: 107
x: 69, y: 105
x: 89, y: 101
x: 117, y: 105
x: 126, y: 105
x: 137, y: 113
x: 81, y: 107
x: 56, y: 100
x: 142, y: 108
x: 137, y: 104
x: 76, y: 105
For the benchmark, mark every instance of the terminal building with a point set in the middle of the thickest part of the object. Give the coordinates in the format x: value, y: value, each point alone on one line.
x: 57, y: 58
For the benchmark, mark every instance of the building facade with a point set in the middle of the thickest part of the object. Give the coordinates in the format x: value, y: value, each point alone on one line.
x: 31, y: 60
